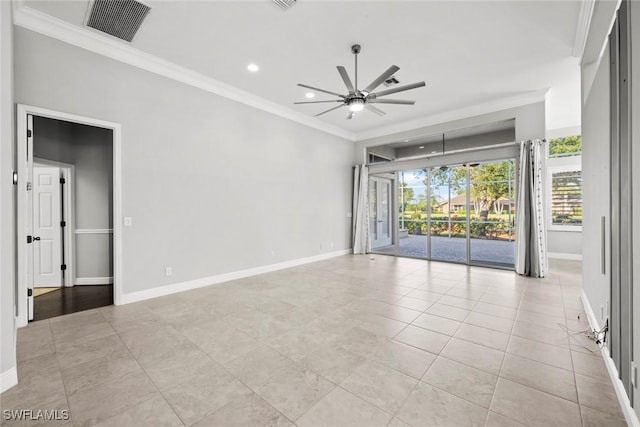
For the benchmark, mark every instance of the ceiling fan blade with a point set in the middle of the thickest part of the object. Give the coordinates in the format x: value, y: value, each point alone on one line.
x: 390, y: 101
x: 318, y: 102
x: 330, y: 109
x: 346, y: 79
x: 374, y: 109
x: 351, y: 114
x: 321, y: 90
x: 397, y: 89
x: 384, y: 76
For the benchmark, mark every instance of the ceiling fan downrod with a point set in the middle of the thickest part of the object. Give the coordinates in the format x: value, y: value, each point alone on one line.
x: 355, y: 49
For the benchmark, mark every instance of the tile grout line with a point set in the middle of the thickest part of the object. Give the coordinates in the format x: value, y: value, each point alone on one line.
x: 573, y: 367
x: 504, y: 356
x: 64, y: 386
x: 147, y: 374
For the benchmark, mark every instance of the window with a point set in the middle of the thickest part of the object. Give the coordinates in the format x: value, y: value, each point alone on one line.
x: 566, y: 146
x: 566, y: 198
x: 564, y: 183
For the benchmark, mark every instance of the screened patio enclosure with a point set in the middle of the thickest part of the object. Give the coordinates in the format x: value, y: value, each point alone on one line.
x: 463, y: 213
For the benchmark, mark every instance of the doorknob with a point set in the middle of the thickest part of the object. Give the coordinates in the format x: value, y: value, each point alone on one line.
x: 36, y: 238
x: 378, y: 221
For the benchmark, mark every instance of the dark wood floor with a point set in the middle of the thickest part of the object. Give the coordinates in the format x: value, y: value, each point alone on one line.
x: 72, y: 299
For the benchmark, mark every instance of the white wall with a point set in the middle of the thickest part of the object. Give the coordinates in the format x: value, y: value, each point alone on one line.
x: 7, y: 203
x: 213, y: 186
x: 90, y: 150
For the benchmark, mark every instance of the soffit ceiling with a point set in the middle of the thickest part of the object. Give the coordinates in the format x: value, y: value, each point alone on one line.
x: 468, y: 52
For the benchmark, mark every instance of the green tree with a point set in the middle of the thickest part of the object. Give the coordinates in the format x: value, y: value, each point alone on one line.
x: 490, y: 183
x: 565, y: 145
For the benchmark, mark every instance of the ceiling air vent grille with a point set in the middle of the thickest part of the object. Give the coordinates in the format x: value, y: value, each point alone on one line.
x: 285, y: 4
x: 119, y: 18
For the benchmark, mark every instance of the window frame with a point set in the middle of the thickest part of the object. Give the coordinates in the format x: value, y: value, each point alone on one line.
x: 568, y: 164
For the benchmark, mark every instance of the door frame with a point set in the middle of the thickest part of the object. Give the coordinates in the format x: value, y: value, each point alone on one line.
x: 23, y: 111
x: 428, y: 168
x: 392, y: 219
x: 68, y: 202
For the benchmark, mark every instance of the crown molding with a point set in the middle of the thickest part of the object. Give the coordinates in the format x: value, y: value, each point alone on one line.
x: 462, y: 113
x: 58, y: 29
x: 582, y: 29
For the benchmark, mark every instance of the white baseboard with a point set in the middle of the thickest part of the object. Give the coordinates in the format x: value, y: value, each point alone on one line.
x: 8, y: 379
x: 560, y: 255
x: 629, y: 414
x: 93, y: 281
x: 213, y: 280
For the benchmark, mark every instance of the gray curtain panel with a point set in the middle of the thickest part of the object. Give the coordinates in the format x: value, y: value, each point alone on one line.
x: 531, y: 233
x: 360, y: 233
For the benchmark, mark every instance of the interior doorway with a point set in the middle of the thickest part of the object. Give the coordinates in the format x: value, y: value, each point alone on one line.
x: 69, y: 198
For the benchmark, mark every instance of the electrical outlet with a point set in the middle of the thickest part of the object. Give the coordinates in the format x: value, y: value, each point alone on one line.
x: 128, y: 221
x: 273, y: 254
x: 168, y: 271
x: 331, y: 244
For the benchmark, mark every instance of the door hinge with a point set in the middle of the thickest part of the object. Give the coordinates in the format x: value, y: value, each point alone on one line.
x: 28, y: 186
x: 29, y: 239
x: 29, y: 133
x: 63, y: 223
x: 29, y: 292
x: 63, y: 267
x: 63, y: 181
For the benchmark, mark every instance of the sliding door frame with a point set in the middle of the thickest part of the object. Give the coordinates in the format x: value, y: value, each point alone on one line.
x: 500, y: 156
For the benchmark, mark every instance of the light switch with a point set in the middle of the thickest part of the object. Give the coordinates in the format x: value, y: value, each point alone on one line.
x: 128, y: 221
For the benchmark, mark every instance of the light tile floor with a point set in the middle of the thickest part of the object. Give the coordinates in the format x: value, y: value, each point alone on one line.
x: 352, y: 341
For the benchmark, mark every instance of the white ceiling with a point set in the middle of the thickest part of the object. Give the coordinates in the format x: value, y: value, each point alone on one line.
x: 468, y: 52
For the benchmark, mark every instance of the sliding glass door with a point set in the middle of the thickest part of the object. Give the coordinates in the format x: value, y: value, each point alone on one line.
x: 412, y: 218
x: 448, y: 222
x: 457, y: 213
x: 492, y: 213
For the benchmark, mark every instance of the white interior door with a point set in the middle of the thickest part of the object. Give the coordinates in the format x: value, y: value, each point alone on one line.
x: 380, y: 212
x: 47, y: 232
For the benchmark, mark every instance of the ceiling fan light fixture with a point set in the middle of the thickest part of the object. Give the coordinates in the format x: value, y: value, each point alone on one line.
x: 356, y: 104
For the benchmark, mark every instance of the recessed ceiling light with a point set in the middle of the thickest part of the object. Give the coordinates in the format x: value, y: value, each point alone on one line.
x: 406, y: 140
x: 434, y: 151
x: 421, y: 147
x: 310, y: 94
x: 253, y: 68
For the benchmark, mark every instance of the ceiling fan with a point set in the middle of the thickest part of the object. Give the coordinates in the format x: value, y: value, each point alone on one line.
x: 359, y: 99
